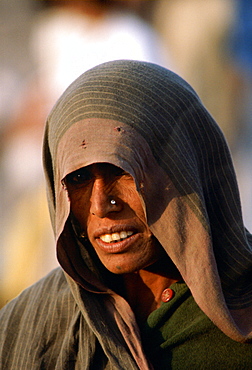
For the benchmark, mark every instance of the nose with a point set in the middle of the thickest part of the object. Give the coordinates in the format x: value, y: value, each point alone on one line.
x: 102, y: 201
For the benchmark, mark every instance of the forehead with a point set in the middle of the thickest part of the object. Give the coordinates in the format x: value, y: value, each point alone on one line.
x: 93, y: 141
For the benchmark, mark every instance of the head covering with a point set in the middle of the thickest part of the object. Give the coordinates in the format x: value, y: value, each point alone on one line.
x: 150, y: 122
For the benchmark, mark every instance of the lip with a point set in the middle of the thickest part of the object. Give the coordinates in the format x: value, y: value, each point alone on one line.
x: 117, y: 247
x: 115, y: 229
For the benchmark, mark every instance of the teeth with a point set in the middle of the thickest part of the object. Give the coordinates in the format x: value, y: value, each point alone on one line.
x: 123, y: 234
x: 109, y: 238
x: 115, y: 236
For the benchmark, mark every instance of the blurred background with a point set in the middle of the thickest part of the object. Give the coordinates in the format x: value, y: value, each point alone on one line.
x: 46, y: 44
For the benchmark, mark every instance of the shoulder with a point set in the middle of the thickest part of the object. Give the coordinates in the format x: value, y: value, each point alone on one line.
x: 37, y: 305
x: 52, y: 285
x: 40, y: 315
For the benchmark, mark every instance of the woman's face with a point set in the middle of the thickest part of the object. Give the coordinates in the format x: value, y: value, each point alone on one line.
x: 106, y: 204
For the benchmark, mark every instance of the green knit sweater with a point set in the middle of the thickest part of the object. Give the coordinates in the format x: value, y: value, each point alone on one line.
x: 179, y: 335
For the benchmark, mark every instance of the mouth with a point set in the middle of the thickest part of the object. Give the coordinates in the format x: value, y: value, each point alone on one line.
x: 116, y: 237
x: 117, y: 241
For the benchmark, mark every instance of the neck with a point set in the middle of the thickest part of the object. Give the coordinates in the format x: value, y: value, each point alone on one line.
x: 144, y: 288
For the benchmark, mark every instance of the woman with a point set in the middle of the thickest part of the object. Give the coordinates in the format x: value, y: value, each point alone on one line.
x: 146, y: 213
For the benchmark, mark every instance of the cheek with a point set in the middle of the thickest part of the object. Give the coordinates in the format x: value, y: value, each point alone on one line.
x: 140, y: 213
x: 80, y: 208
x: 130, y: 195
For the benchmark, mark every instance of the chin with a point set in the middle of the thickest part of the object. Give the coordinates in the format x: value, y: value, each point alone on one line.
x: 126, y: 268
x: 119, y: 269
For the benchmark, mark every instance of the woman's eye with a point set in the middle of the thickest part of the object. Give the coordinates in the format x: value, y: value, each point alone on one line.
x: 78, y: 177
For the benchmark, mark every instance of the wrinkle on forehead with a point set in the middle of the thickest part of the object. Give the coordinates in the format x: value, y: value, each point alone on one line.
x: 102, y: 140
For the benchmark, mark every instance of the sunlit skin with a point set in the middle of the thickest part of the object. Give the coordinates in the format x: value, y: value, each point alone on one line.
x: 138, y: 256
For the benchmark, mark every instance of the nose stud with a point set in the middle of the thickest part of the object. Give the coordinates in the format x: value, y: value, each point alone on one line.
x: 111, y: 201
